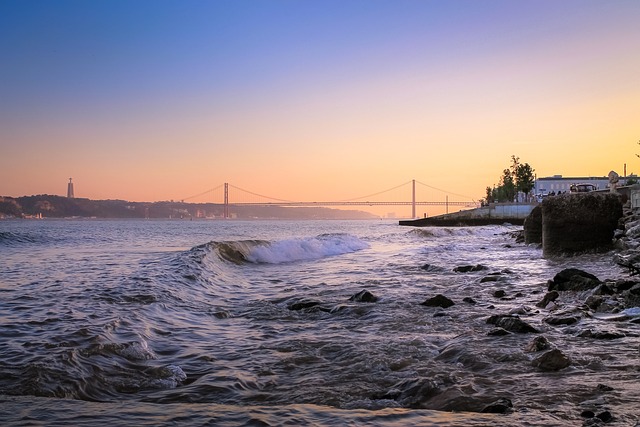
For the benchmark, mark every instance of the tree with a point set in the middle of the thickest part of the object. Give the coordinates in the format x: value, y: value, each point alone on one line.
x: 508, y: 186
x: 524, y: 179
x: 490, y: 198
x: 518, y: 177
x: 515, y: 163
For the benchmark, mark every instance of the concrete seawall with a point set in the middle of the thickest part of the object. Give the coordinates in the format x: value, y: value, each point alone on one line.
x: 512, y: 213
x: 494, y: 213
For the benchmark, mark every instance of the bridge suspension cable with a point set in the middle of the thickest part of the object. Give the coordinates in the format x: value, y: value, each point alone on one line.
x: 203, y: 193
x: 376, y: 194
x: 259, y: 195
x: 444, y: 191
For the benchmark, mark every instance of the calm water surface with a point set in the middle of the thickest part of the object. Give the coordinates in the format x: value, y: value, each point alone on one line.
x: 192, y: 323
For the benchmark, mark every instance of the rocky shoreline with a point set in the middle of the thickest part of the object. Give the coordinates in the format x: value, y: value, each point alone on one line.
x: 571, y: 296
x: 612, y: 300
x: 568, y: 304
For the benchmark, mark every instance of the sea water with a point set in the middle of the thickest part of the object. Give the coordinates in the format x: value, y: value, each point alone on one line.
x: 151, y: 322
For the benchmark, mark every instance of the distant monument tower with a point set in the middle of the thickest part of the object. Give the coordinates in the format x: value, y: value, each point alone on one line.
x: 70, y: 189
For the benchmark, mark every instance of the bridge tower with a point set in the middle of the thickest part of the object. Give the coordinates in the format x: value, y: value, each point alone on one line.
x: 413, y: 199
x: 226, y: 200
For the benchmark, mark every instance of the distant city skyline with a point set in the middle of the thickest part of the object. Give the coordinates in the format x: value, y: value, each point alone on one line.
x: 326, y: 100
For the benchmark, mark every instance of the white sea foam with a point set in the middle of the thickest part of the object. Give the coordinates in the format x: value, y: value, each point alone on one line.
x: 633, y: 311
x: 440, y: 232
x: 304, y: 249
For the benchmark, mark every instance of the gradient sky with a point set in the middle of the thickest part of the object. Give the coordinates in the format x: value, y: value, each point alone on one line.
x: 312, y: 100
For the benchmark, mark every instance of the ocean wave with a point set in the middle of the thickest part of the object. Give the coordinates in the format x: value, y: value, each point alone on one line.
x: 305, y: 249
x: 287, y: 250
x: 9, y: 238
x: 437, y: 232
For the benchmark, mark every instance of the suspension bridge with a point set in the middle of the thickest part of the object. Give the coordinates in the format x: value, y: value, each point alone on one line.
x: 248, y: 198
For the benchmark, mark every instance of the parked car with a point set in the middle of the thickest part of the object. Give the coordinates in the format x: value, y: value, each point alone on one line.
x: 582, y: 188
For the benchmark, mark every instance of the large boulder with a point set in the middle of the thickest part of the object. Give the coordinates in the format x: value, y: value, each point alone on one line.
x: 579, y: 222
x: 533, y: 226
x: 438, y: 301
x: 552, y: 360
x: 511, y: 324
x: 573, y: 279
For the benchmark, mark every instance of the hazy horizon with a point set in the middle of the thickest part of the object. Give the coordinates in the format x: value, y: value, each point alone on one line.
x: 315, y: 100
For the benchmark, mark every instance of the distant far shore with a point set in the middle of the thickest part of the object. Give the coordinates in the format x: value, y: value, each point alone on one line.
x: 49, y: 206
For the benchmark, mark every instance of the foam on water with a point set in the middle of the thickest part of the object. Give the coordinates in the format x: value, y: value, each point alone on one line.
x: 304, y: 249
x: 440, y: 232
x: 633, y: 311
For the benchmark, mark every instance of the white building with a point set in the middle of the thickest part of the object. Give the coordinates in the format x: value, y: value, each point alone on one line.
x: 560, y: 184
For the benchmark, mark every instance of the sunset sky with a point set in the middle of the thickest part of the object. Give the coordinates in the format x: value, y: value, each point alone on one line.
x: 312, y: 100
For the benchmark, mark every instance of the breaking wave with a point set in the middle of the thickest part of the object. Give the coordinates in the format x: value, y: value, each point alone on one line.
x: 287, y: 250
x: 437, y: 232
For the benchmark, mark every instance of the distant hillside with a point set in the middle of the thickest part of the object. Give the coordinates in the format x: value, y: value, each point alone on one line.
x: 62, y: 207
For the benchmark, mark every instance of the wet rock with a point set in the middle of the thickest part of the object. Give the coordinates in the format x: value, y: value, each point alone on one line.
x: 222, y: 314
x: 577, y: 223
x: 338, y: 308
x: 469, y: 300
x: 498, y: 332
x: 363, y: 296
x: 601, y: 335
x: 533, y: 226
x: 523, y: 309
x: 468, y: 268
x: 587, y: 414
x: 632, y: 297
x: 486, y: 279
x: 511, y: 324
x: 455, y: 398
x: 573, y: 279
x: 500, y: 406
x: 304, y: 304
x: 624, y: 285
x: 608, y: 305
x: 431, y: 267
x: 561, y: 320
x: 630, y: 256
x: 465, y: 355
x: 552, y: 360
x: 499, y: 293
x: 413, y: 393
x: 537, y: 344
x: 549, y: 297
x: 605, y: 416
x: 603, y: 289
x: 603, y: 388
x: 634, y: 290
x: 438, y: 301
x: 594, y: 301
x: 518, y: 236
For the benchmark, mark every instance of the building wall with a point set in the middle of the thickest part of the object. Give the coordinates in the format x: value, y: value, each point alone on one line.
x: 635, y: 196
x: 559, y: 184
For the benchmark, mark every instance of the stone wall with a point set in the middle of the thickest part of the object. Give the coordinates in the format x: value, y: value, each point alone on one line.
x: 582, y: 222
